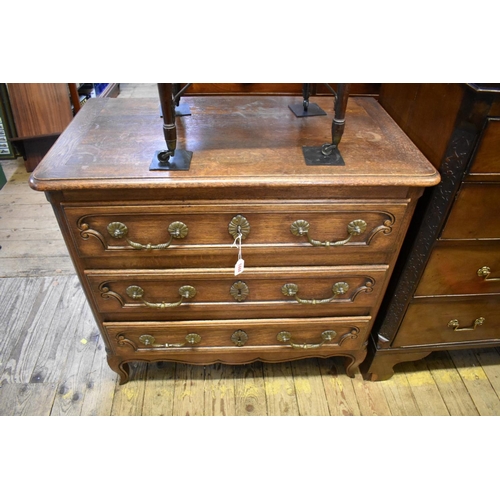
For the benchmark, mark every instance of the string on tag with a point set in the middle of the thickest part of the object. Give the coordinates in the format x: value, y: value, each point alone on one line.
x: 240, y: 264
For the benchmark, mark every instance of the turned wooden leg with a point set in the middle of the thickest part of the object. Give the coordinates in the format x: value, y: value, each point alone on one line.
x: 382, y: 364
x: 119, y: 367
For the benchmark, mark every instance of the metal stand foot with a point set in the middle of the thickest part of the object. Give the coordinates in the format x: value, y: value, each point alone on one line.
x: 314, y: 156
x: 183, y: 109
x: 180, y: 161
x: 311, y: 110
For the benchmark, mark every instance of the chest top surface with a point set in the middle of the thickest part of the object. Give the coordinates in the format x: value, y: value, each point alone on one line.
x: 244, y: 141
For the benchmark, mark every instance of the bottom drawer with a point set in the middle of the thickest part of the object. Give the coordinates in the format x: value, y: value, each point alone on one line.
x: 237, y: 338
x: 451, y: 320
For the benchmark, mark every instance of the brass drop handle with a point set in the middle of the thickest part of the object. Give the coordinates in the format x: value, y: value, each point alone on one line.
x: 354, y: 228
x: 150, y: 341
x: 136, y: 292
x: 291, y: 290
x: 485, y: 272
x: 455, y: 324
x: 286, y: 337
x: 176, y: 229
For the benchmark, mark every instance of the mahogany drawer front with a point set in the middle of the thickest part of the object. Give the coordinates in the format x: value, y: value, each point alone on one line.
x: 475, y: 213
x: 487, y: 160
x: 441, y: 321
x: 218, y: 294
x: 462, y: 268
x: 315, y: 335
x: 272, y: 233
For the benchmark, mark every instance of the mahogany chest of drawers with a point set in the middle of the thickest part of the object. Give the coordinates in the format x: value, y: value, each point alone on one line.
x: 446, y: 291
x: 156, y: 250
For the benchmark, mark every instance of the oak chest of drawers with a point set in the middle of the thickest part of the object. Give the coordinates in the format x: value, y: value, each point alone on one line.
x: 156, y: 250
x: 446, y: 291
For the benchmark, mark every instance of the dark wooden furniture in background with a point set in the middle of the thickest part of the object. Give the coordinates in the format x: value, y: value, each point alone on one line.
x: 445, y: 292
x: 293, y: 89
x: 41, y: 111
x: 156, y: 250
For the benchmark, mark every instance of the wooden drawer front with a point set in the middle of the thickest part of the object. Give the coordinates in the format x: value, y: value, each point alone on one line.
x: 219, y: 294
x: 475, y: 213
x: 239, y: 336
x: 462, y: 268
x: 487, y: 160
x: 206, y: 232
x: 427, y: 319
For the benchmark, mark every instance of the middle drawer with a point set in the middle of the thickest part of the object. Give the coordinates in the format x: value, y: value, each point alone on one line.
x: 219, y: 294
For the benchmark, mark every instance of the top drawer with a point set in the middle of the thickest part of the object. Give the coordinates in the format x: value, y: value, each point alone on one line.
x: 487, y: 160
x: 275, y: 234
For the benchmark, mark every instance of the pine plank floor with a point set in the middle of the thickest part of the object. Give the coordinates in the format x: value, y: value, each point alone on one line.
x: 52, y: 359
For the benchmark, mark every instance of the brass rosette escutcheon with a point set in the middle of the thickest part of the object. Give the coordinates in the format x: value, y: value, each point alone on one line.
x: 286, y: 337
x: 117, y: 230
x: 354, y: 228
x: 135, y: 292
x: 177, y: 230
x: 239, y: 225
x: 239, y: 291
x: 150, y: 341
x: 239, y: 338
x: 291, y: 290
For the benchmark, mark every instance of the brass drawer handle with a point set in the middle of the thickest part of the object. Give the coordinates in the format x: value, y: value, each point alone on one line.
x: 239, y: 338
x: 327, y: 335
x: 455, y: 324
x: 176, y: 229
x: 485, y: 272
x: 291, y: 290
x: 150, y: 341
x: 136, y: 292
x: 354, y: 228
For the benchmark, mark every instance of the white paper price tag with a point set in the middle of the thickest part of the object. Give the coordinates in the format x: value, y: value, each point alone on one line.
x: 239, y: 267
x: 240, y: 264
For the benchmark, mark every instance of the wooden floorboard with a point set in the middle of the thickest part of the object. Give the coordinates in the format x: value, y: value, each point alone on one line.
x: 450, y: 385
x: 339, y: 389
x: 311, y: 396
x: 53, y: 361
x: 159, y: 390
x: 220, y: 391
x: 281, y: 396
